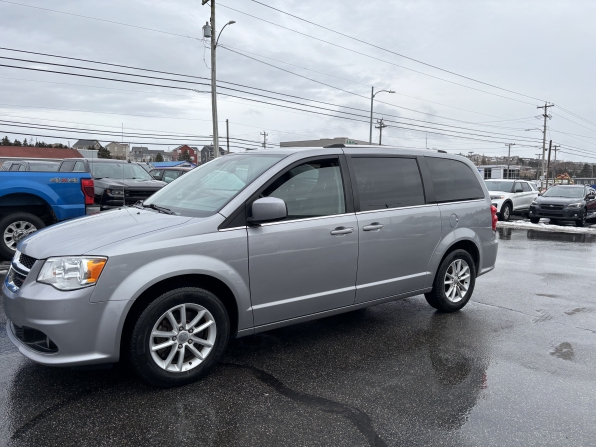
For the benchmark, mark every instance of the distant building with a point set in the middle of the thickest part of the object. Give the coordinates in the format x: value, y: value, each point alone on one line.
x: 499, y: 172
x: 120, y: 151
x: 144, y: 154
x: 192, y: 151
x: 36, y: 153
x: 86, y: 144
x: 207, y: 153
x: 322, y: 142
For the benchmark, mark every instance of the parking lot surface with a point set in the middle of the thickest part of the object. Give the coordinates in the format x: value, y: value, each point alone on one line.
x: 514, y: 367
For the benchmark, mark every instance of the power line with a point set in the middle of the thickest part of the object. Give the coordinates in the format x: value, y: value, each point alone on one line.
x: 393, y: 52
x: 370, y: 56
x: 100, y: 20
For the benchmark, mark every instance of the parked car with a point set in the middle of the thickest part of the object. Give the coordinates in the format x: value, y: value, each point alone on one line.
x: 117, y: 183
x: 30, y: 165
x: 511, y: 196
x: 168, y: 175
x: 29, y: 201
x: 560, y: 203
x: 247, y: 243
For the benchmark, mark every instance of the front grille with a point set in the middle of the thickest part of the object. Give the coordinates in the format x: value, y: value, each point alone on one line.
x: 27, y: 261
x: 34, y: 339
x: 139, y: 194
x: 548, y: 207
x: 14, y: 279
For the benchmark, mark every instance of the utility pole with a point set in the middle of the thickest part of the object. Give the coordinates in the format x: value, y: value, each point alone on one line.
x: 545, y: 115
x: 265, y: 135
x: 372, y: 97
x: 509, y: 157
x: 211, y: 34
x: 555, y: 147
x: 550, y: 145
x: 381, y: 126
x: 228, y: 135
x: 537, y: 171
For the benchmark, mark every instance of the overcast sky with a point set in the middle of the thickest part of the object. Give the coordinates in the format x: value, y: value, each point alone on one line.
x: 542, y: 49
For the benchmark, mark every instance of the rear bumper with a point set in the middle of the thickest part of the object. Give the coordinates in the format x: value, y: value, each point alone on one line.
x: 489, y: 256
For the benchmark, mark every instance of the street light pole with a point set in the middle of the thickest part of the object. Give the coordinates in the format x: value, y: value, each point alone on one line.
x: 372, y: 98
x: 509, y: 157
x: 213, y: 83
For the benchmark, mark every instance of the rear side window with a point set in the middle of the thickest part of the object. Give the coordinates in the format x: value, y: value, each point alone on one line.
x: 79, y: 167
x: 388, y: 182
x: 453, y: 180
x: 67, y: 166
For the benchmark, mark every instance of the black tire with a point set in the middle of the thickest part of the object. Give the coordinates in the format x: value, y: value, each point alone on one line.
x: 505, y: 212
x: 140, y: 356
x: 6, y: 251
x: 582, y: 221
x: 535, y: 220
x: 437, y: 297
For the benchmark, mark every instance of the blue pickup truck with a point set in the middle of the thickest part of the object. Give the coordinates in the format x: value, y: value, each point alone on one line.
x: 30, y: 201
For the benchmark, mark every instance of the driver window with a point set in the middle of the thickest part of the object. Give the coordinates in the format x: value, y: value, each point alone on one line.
x: 526, y: 187
x: 517, y: 187
x: 312, y: 189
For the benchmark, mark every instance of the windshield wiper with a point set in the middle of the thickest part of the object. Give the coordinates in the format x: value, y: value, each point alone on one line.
x: 161, y: 209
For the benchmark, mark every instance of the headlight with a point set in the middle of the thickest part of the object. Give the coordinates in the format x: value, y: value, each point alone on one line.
x: 497, y: 197
x: 575, y: 205
x: 72, y: 272
x: 115, y: 192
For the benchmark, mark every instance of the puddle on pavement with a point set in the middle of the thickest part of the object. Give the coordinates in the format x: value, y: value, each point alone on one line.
x: 506, y: 233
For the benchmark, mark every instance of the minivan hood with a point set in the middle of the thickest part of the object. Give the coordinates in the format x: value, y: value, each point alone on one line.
x: 85, y: 234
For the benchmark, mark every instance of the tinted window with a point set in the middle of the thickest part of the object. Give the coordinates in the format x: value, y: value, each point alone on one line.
x: 525, y: 187
x: 388, y: 182
x: 156, y: 173
x: 169, y: 176
x: 79, y: 167
x: 67, y: 166
x: 453, y: 180
x: 129, y: 171
x: 312, y: 189
x: 15, y: 167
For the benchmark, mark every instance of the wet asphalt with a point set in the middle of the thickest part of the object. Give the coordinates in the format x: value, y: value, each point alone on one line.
x: 514, y: 367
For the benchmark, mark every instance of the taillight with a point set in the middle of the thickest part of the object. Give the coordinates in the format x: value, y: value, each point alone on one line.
x: 493, y: 212
x: 88, y: 189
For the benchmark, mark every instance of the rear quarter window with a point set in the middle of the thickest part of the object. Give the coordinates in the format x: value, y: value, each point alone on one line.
x: 453, y: 180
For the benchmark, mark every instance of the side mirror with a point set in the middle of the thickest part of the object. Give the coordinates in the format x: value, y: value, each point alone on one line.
x: 268, y: 209
x: 591, y: 197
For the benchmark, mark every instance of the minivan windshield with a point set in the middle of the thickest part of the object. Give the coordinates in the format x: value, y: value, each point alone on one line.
x: 576, y: 192
x: 122, y: 171
x: 499, y: 186
x: 206, y: 189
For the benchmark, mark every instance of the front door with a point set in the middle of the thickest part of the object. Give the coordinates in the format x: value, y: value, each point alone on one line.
x: 398, y: 231
x: 306, y: 263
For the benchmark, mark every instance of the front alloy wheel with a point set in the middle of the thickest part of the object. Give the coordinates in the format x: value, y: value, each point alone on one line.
x: 182, y: 337
x: 179, y: 337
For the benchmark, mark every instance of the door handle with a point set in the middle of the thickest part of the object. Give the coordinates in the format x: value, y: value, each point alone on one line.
x: 373, y: 227
x: 340, y: 231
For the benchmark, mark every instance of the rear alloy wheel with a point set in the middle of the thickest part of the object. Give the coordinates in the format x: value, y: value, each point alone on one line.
x: 454, y: 282
x: 179, y: 337
x: 506, y: 212
x: 14, y: 228
x: 582, y: 221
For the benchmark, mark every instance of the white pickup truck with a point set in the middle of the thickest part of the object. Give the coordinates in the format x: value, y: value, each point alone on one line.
x: 511, y: 196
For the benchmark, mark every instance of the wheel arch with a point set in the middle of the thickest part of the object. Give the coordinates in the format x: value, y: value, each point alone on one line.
x: 464, y: 239
x: 210, y: 283
x: 27, y: 203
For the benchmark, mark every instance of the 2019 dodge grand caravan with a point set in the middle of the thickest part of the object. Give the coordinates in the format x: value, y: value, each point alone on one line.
x: 248, y: 243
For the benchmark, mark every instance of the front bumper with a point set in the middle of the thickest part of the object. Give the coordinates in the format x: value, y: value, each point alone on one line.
x: 567, y: 213
x: 83, y: 332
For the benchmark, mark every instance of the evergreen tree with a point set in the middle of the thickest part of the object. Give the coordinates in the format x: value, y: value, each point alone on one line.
x: 184, y: 156
x: 102, y: 152
x: 158, y: 158
x: 586, y: 171
x: 5, y: 142
x: 16, y: 143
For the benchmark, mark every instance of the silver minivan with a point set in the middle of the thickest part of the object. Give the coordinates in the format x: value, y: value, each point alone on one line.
x: 246, y: 243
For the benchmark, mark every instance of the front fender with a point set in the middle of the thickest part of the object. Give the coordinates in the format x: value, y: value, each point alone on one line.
x: 141, y: 279
x: 454, y: 236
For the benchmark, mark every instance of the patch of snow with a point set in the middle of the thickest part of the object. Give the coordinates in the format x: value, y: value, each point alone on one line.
x: 543, y: 226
